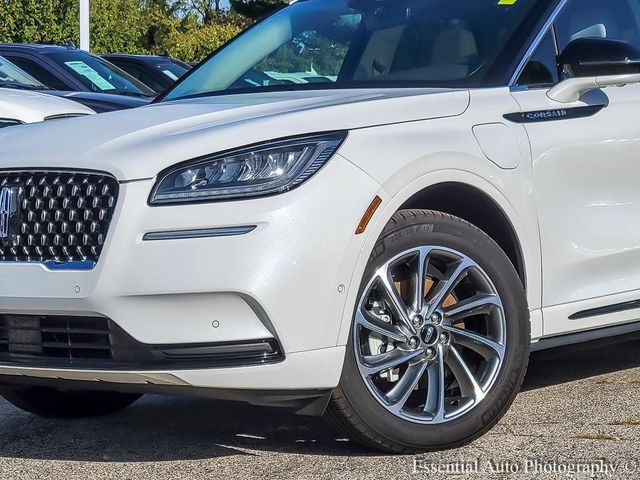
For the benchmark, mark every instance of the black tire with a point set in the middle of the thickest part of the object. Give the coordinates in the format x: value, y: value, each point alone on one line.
x: 353, y: 408
x: 51, y: 403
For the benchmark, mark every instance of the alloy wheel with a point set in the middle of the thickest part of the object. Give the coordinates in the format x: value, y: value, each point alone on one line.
x: 430, y: 335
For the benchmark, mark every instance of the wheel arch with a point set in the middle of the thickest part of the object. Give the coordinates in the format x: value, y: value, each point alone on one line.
x: 478, y: 208
x: 517, y: 234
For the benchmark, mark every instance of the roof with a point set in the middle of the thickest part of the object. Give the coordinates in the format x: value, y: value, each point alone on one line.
x: 35, y: 46
x: 131, y: 55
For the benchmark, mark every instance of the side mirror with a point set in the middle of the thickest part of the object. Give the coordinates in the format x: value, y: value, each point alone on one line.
x: 593, y: 63
x: 592, y: 57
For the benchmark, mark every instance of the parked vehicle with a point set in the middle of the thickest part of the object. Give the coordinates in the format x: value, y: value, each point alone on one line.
x: 13, y: 77
x: 383, y: 246
x: 69, y: 69
x: 19, y: 107
x: 156, y: 72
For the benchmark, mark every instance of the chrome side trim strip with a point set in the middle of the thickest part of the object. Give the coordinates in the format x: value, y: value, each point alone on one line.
x: 536, y: 42
x: 199, y: 233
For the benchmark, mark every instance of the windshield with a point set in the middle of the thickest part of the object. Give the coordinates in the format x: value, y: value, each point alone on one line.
x: 99, y: 75
x: 12, y: 77
x: 367, y: 43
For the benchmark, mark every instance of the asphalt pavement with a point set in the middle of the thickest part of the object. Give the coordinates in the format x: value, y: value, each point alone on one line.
x: 577, y: 417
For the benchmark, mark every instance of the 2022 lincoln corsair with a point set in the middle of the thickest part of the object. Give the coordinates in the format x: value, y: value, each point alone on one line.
x: 367, y: 209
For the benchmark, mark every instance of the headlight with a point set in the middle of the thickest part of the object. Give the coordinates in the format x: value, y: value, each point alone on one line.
x: 264, y: 169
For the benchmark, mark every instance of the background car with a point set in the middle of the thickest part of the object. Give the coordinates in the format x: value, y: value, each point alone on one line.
x: 69, y: 69
x: 18, y: 107
x: 13, y: 77
x: 155, y: 71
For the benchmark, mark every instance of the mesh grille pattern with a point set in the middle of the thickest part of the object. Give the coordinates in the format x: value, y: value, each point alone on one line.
x: 62, y: 216
x: 66, y: 338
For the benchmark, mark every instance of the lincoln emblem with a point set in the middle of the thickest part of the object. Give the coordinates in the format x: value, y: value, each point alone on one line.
x: 8, y: 209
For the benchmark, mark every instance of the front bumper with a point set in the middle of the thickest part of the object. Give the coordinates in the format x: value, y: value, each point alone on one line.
x: 284, y: 280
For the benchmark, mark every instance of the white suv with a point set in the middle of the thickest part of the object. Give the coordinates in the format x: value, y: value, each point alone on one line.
x: 365, y: 208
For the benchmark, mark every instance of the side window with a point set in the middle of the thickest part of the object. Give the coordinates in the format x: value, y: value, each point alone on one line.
x: 612, y: 19
x: 141, y: 74
x: 542, y: 69
x: 38, y: 72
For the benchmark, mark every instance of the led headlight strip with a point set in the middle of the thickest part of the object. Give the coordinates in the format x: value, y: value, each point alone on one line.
x: 262, y: 169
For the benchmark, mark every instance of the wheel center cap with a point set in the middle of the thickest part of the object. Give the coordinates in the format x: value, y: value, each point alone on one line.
x: 430, y: 335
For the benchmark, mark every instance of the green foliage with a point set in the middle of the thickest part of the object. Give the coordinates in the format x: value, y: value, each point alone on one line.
x: 193, y: 42
x: 255, y: 9
x: 117, y: 26
x: 38, y: 21
x: 187, y: 29
x: 308, y: 52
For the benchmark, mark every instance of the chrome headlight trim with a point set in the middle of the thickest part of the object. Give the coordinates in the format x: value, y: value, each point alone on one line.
x: 262, y: 169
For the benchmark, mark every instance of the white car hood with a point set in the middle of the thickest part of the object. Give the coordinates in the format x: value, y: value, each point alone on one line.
x: 139, y: 143
x: 31, y: 107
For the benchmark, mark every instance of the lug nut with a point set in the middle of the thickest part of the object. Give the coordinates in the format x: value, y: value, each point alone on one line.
x: 417, y: 321
x: 444, y: 338
x: 431, y: 353
x: 436, y: 318
x: 414, y: 342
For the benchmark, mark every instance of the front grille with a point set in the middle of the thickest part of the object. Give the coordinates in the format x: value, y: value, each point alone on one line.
x: 61, y: 341
x: 61, y: 216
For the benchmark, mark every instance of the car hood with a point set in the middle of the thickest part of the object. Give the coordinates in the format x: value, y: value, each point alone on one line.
x: 139, y: 143
x: 30, y: 107
x: 102, y: 102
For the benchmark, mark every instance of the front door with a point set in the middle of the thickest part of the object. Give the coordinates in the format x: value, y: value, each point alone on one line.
x: 586, y: 167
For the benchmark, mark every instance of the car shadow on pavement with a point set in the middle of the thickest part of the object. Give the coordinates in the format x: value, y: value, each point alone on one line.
x: 158, y: 429
x: 575, y: 362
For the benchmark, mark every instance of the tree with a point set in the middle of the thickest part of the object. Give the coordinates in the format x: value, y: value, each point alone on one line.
x: 255, y: 9
x: 193, y: 42
x: 38, y: 21
x: 208, y: 10
x: 116, y: 26
x: 124, y: 26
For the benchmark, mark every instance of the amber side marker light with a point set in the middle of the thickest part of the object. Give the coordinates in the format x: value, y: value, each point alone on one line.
x: 368, y: 215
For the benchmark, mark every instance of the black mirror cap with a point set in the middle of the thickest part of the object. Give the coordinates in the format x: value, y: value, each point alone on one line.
x: 591, y: 57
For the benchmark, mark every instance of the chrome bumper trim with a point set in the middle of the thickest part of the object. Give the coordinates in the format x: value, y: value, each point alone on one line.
x: 137, y: 378
x: 199, y: 233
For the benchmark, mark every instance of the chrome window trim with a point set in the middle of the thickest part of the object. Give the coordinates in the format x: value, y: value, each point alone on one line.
x: 536, y: 42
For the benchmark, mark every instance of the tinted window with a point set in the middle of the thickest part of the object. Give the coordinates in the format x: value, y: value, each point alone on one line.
x: 542, y: 69
x: 140, y: 73
x: 98, y: 75
x: 356, y: 43
x: 173, y: 71
x: 612, y: 19
x: 11, y: 75
x: 39, y: 72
